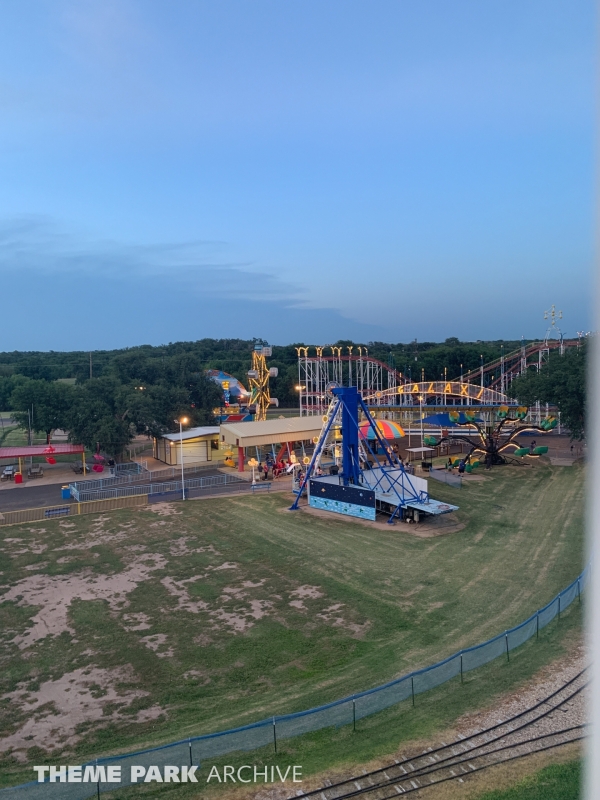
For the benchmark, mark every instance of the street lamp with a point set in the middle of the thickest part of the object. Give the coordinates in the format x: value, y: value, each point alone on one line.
x: 183, y: 421
x: 298, y: 388
x: 253, y: 463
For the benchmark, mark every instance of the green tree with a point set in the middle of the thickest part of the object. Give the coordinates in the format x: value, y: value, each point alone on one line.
x: 43, y: 404
x: 561, y: 382
x: 98, y: 416
x: 7, y: 386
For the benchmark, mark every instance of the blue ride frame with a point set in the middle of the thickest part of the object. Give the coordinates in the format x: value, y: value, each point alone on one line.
x: 349, y: 400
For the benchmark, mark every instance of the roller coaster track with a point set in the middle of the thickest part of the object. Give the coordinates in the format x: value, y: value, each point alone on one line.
x: 515, y: 362
x: 534, y: 730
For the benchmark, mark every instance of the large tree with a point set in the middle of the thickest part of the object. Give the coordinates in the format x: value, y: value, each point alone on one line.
x: 97, y: 417
x: 560, y: 382
x: 43, y: 405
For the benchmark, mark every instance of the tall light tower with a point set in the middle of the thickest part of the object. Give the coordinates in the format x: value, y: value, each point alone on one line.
x: 553, y: 330
x: 260, y: 395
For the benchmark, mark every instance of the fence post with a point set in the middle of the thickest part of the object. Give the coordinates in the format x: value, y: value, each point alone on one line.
x: 578, y: 590
x: 559, y: 607
x: 353, y: 714
x: 507, y: 654
x: 98, y: 782
x: 274, y: 734
x: 537, y: 624
x: 190, y: 743
x: 412, y: 687
x: 461, y: 669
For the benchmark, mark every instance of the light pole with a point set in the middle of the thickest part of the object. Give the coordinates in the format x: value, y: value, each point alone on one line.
x: 183, y: 421
x: 253, y: 463
x: 299, y: 390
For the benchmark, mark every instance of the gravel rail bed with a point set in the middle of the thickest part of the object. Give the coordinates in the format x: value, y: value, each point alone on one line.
x: 547, y: 721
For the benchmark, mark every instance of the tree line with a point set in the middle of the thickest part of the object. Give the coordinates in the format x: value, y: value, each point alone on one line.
x: 110, y: 396
x: 561, y: 382
x: 110, y: 410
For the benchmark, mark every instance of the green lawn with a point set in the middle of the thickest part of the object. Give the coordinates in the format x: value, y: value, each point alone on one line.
x: 557, y: 782
x: 229, y: 610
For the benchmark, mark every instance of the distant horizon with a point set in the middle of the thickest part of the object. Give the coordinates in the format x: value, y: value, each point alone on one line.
x: 333, y: 343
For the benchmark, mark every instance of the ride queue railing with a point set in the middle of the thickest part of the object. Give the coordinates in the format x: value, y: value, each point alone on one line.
x: 81, y: 493
x: 141, y: 475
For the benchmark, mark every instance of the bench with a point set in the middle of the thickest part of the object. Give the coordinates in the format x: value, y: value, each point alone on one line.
x: 35, y: 472
x: 264, y: 485
x: 57, y: 512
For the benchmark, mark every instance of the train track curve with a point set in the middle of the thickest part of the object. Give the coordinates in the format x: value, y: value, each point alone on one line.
x: 536, y: 729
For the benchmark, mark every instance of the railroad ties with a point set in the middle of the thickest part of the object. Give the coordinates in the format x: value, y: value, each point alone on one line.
x: 540, y: 727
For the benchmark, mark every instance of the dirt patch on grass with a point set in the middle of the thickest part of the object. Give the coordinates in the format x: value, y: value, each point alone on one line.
x: 313, y: 592
x: 239, y: 618
x: 304, y: 593
x: 333, y: 617
x: 156, y: 642
x: 138, y: 622
x: 239, y: 592
x: 242, y: 619
x: 163, y: 509
x: 179, y: 547
x: 54, y: 595
x: 58, y: 708
x: 184, y: 601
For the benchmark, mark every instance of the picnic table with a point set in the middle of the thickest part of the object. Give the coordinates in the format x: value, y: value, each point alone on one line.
x: 8, y: 474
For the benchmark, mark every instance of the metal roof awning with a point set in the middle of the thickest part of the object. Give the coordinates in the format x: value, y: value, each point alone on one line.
x: 193, y: 433
x: 432, y: 507
x: 271, y: 431
x: 41, y: 450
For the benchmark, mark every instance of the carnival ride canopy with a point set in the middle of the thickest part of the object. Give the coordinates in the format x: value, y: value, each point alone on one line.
x: 387, y: 429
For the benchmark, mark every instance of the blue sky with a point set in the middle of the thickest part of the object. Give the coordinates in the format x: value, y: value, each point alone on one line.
x: 294, y: 170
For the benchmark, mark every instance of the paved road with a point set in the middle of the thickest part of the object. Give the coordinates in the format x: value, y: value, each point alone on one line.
x: 30, y: 497
x: 39, y: 496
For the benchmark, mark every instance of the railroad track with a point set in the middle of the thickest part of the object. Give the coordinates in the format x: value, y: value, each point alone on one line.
x: 534, y: 730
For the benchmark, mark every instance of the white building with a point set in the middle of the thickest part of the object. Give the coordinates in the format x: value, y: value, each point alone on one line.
x: 198, y: 445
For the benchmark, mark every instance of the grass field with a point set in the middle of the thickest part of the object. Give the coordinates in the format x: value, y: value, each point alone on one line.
x: 557, y: 782
x: 148, y: 626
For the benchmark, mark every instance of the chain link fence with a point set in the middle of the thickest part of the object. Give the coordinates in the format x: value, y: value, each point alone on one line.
x: 195, y: 750
x: 83, y: 494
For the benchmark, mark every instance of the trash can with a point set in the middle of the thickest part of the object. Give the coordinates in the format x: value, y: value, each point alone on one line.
x: 18, y: 477
x: 65, y: 492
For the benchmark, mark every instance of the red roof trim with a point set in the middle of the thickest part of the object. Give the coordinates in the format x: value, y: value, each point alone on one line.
x: 41, y: 450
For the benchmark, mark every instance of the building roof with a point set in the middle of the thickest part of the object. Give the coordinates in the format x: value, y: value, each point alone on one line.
x: 193, y: 433
x: 271, y: 431
x: 41, y: 450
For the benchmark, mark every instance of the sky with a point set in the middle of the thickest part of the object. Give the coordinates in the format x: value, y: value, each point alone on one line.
x: 307, y: 170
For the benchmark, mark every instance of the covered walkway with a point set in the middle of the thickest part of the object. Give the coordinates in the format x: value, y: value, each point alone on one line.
x: 269, y: 432
x: 44, y: 450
